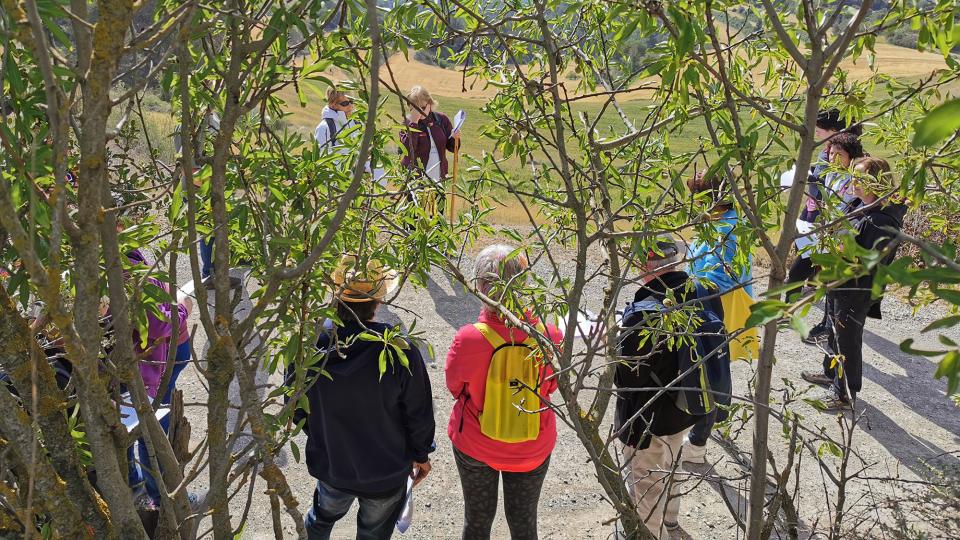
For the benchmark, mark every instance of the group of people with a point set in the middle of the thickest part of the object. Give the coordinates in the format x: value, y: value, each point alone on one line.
x: 428, y: 136
x: 848, y: 189
x: 368, y: 432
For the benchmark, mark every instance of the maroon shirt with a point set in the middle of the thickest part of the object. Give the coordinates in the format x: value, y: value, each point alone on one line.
x: 414, y: 137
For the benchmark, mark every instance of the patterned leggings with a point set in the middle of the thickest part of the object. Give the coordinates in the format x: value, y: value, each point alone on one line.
x: 521, y: 495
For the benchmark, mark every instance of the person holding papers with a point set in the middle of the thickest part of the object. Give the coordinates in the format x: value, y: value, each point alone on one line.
x: 427, y: 136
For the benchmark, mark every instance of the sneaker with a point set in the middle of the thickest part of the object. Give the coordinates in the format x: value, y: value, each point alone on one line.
x: 815, y: 377
x: 692, y: 453
x: 818, y: 334
x: 671, y: 525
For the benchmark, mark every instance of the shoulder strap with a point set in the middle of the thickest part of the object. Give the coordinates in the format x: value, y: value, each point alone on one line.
x: 530, y: 341
x: 332, y: 128
x: 492, y: 336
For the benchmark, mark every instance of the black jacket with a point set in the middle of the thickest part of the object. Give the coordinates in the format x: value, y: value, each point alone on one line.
x: 873, y: 232
x: 663, y: 417
x: 364, y: 432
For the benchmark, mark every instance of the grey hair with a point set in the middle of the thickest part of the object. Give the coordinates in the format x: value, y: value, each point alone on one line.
x: 495, y: 265
x: 673, y: 250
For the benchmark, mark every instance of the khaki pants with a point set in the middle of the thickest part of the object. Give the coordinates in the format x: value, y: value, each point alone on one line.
x: 648, y: 476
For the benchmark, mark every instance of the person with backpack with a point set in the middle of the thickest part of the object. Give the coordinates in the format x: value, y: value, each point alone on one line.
x: 334, y: 119
x: 652, y: 422
x: 427, y: 136
x: 367, y: 431
x: 876, y: 223
x: 829, y: 126
x: 714, y: 255
x: 501, y: 423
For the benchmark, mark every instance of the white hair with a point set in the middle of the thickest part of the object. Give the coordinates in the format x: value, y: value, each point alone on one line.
x: 495, y: 265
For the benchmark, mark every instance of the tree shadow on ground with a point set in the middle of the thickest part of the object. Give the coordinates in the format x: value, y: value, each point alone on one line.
x: 457, y: 309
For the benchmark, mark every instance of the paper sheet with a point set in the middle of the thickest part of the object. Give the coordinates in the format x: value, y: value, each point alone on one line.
x: 786, y: 179
x: 458, y: 120
x: 406, y: 516
x: 802, y: 242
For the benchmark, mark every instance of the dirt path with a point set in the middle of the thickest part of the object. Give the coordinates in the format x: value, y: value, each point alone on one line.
x: 908, y: 419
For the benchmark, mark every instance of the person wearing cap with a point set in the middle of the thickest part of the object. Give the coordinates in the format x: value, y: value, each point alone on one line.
x: 481, y: 459
x: 850, y: 303
x: 713, y: 262
x: 427, y: 136
x: 650, y: 426
x: 830, y: 124
x: 367, y: 431
x: 334, y: 118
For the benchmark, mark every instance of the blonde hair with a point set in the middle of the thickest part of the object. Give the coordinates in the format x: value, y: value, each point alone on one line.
x: 420, y: 97
x: 335, y: 95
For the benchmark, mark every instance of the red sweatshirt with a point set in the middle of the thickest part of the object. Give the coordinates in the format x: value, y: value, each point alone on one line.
x: 466, y: 372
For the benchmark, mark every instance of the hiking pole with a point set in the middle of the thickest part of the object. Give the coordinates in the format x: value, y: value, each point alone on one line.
x: 453, y: 186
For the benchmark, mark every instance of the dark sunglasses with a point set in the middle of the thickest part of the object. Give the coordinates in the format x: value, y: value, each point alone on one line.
x: 346, y: 103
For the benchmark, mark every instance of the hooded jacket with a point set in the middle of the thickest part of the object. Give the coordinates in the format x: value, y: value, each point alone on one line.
x: 153, y: 359
x: 662, y: 417
x: 364, y: 432
x: 322, y: 132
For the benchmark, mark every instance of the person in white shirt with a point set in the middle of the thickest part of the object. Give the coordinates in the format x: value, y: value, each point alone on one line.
x: 335, y: 119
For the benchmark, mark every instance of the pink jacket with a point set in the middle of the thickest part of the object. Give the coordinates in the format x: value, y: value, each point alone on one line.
x: 466, y: 373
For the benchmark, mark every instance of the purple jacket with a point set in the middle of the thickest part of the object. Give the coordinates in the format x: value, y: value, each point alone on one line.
x: 414, y: 137
x: 159, y: 331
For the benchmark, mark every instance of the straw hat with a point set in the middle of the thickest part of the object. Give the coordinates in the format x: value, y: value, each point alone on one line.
x: 358, y: 285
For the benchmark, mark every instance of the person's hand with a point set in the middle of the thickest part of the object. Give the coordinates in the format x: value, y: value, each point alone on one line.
x: 420, y: 471
x: 456, y: 136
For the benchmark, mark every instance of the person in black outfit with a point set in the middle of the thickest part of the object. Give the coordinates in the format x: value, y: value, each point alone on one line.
x: 366, y: 430
x: 653, y: 438
x: 851, y: 302
x: 830, y: 122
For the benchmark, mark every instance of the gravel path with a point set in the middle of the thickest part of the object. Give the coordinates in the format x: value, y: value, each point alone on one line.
x: 908, y: 419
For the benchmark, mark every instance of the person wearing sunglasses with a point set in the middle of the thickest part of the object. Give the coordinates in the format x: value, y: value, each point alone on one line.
x: 335, y: 118
x: 428, y: 135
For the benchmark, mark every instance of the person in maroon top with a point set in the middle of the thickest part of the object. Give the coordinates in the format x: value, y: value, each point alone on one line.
x: 427, y: 136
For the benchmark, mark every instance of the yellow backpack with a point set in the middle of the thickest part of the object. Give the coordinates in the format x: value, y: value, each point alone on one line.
x: 508, y: 402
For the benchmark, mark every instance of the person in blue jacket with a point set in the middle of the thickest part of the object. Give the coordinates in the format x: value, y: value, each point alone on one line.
x: 713, y: 256
x: 367, y: 430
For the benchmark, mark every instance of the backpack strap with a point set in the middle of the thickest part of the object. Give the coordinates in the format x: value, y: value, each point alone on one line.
x: 530, y: 341
x: 332, y: 128
x: 492, y: 336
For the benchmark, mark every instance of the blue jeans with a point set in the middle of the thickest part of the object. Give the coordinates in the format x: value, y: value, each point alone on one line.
x: 375, y: 521
x: 140, y: 472
x: 205, y: 246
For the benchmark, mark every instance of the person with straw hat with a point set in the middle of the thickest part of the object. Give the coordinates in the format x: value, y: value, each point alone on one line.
x: 370, y: 423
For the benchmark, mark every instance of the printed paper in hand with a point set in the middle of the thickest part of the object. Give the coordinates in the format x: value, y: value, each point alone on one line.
x: 406, y: 516
x: 458, y: 120
x: 804, y: 228
x: 587, y: 325
x: 786, y: 179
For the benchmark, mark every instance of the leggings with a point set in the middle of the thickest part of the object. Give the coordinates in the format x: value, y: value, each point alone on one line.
x: 521, y: 496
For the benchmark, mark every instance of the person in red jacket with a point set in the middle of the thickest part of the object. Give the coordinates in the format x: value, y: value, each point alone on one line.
x: 482, y: 460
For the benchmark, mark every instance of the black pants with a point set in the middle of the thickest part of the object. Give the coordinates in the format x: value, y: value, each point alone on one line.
x: 521, y: 496
x: 801, y: 270
x: 848, y: 310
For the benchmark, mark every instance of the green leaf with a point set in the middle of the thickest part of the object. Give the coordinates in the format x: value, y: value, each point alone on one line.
x: 949, y: 295
x: 946, y: 322
x: 829, y: 447
x: 949, y: 367
x: 938, y: 124
x: 763, y: 312
x: 907, y: 347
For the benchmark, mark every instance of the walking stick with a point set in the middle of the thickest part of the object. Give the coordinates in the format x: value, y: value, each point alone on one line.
x: 453, y: 186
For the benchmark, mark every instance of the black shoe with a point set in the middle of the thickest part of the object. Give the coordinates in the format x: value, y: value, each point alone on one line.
x: 816, y: 378
x: 818, y: 334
